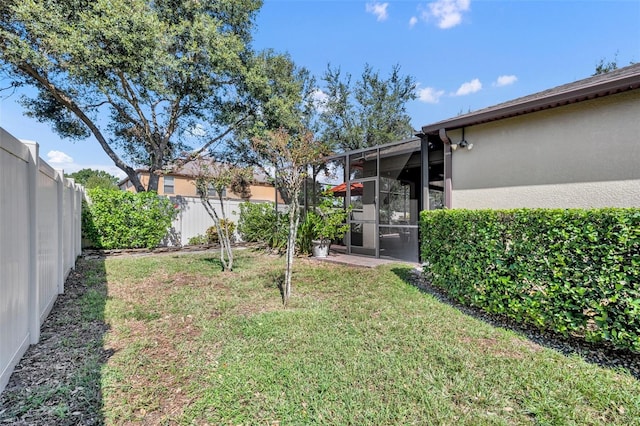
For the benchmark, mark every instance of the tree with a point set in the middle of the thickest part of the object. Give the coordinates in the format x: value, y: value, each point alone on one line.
x: 218, y: 177
x: 369, y: 112
x: 90, y: 179
x: 148, y: 79
x: 291, y: 154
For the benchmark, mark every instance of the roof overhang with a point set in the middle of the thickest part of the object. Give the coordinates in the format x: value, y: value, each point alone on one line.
x: 572, y: 93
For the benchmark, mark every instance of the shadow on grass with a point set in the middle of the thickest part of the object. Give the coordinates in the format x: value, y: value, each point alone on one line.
x: 215, y: 261
x: 58, y: 380
x: 598, y: 354
x: 276, y: 279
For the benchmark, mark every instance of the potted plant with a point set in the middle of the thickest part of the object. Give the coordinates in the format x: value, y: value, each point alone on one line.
x: 328, y: 223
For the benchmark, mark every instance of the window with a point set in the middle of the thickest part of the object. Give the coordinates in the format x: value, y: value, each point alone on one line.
x: 212, y: 193
x: 168, y: 184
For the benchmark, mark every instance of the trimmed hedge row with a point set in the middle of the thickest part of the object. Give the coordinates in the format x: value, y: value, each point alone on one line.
x: 572, y: 271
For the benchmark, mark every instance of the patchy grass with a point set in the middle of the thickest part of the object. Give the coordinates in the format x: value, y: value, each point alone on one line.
x: 170, y: 339
x: 193, y: 345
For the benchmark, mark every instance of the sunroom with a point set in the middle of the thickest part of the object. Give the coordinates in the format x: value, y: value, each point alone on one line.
x: 386, y: 187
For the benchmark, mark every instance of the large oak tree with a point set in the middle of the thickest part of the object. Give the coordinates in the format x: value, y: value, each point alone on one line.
x: 149, y: 79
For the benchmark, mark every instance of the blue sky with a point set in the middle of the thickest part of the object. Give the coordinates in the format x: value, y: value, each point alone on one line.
x: 464, y: 54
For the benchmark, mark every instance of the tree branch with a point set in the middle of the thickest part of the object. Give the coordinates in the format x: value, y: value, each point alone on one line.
x: 65, y: 100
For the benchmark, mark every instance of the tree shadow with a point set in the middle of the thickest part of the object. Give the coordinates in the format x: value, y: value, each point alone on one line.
x: 58, y: 380
x: 599, y: 354
x: 275, y: 279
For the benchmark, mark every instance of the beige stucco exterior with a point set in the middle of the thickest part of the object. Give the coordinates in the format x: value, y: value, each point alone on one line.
x: 585, y: 154
x: 185, y: 186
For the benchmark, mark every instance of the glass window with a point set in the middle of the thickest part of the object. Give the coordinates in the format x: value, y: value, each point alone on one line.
x: 168, y: 184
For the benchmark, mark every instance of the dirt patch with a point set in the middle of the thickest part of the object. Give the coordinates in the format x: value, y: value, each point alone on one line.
x: 514, y: 349
x: 155, y: 377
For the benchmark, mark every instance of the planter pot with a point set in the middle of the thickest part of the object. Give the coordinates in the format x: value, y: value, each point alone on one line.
x: 320, y: 248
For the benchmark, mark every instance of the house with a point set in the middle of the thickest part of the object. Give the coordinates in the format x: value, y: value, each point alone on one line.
x: 182, y: 183
x: 575, y: 145
x: 193, y: 219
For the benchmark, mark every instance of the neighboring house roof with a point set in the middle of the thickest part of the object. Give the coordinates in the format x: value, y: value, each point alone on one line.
x: 616, y: 81
x: 191, y: 169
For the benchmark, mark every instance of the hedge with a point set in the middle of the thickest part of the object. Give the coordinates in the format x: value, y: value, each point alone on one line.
x: 571, y: 271
x: 115, y: 219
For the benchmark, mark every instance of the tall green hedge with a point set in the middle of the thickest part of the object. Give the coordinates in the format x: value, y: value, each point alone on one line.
x: 572, y: 271
x: 115, y: 219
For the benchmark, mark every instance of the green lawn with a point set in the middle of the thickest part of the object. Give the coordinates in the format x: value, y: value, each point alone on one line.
x: 192, y: 345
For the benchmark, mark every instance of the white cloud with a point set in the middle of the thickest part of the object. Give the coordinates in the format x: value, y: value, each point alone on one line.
x: 448, y: 13
x: 320, y: 100
x: 58, y: 157
x: 430, y: 95
x: 378, y: 9
x: 469, y: 87
x: 413, y: 21
x: 111, y: 169
x: 60, y: 160
x: 505, y: 80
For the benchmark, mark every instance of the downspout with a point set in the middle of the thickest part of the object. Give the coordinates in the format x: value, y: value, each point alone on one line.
x: 447, y: 166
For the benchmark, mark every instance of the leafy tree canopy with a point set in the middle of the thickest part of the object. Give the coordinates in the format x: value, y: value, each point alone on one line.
x: 90, y: 179
x: 370, y: 111
x: 148, y: 79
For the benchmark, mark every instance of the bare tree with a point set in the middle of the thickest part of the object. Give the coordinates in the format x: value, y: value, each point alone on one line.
x: 291, y: 154
x: 217, y: 177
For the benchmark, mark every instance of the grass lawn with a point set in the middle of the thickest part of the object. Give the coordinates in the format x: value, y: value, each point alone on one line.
x: 193, y: 345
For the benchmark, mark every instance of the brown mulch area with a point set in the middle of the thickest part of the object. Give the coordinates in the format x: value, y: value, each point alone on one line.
x: 57, y: 381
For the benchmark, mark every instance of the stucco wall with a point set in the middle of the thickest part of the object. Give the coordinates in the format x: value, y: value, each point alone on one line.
x: 581, y: 155
x: 185, y: 187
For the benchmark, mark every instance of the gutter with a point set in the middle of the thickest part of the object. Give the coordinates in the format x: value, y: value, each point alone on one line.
x: 448, y: 184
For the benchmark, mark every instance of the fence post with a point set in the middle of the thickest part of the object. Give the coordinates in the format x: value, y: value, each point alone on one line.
x: 79, y: 197
x: 34, y: 293
x: 60, y: 205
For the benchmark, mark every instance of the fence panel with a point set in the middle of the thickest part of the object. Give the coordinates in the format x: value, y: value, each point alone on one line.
x: 14, y: 254
x: 40, y: 219
x: 48, y: 234
x: 193, y: 219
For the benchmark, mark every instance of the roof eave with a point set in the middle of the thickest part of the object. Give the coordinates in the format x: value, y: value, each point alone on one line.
x: 526, y: 107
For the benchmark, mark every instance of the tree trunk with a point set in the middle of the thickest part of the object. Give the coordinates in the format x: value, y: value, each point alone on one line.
x: 291, y: 247
x: 225, y: 246
x: 154, y: 180
x: 223, y: 234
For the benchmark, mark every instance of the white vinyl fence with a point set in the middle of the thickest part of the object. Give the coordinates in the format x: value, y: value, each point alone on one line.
x: 193, y: 219
x: 40, y: 225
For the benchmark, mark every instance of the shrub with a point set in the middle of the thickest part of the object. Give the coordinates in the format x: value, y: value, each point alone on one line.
x: 306, y: 234
x: 197, y: 240
x: 259, y: 223
x: 212, y: 233
x: 572, y: 271
x: 120, y: 219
